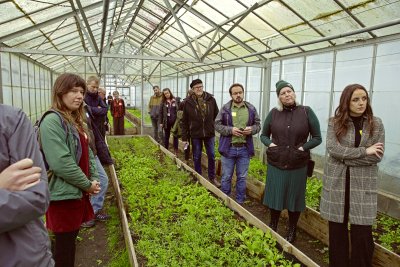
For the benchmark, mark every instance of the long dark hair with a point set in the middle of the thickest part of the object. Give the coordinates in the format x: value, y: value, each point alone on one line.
x: 342, y: 111
x: 164, y: 99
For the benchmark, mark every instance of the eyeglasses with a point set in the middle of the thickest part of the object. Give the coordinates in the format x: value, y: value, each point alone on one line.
x: 198, y: 87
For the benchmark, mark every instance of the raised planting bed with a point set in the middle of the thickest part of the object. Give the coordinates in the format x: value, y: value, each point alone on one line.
x: 135, y: 115
x: 177, y: 222
x: 387, y: 246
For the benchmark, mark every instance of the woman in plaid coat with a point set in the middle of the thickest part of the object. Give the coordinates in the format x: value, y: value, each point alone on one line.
x: 355, y: 143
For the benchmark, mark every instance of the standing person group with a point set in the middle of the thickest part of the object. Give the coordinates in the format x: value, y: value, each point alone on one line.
x: 198, y: 119
x: 154, y: 111
x: 237, y: 122
x: 117, y: 108
x: 355, y: 143
x: 285, y: 133
x: 168, y: 115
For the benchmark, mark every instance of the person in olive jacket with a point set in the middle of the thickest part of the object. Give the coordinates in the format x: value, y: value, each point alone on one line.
x: 72, y: 167
x: 24, y: 194
x: 197, y: 123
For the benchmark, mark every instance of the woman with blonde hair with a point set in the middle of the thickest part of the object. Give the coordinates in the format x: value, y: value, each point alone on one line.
x: 72, y: 168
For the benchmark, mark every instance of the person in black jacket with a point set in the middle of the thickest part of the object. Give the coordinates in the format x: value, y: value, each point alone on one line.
x: 197, y: 123
x: 168, y: 114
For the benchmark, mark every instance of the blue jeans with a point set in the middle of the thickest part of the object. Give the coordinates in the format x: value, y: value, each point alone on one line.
x: 238, y: 156
x: 157, y: 131
x: 97, y: 200
x: 197, y: 147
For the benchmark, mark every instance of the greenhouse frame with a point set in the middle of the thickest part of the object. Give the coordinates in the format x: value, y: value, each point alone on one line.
x: 319, y: 46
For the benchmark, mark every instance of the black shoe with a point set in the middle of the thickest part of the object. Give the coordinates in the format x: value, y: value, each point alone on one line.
x: 291, y: 237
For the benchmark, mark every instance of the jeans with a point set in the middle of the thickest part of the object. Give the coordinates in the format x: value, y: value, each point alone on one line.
x: 156, y: 128
x: 238, y: 156
x: 97, y: 200
x: 197, y: 147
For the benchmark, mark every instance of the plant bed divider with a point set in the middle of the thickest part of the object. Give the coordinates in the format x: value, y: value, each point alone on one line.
x: 233, y: 205
x: 122, y: 215
x: 310, y: 221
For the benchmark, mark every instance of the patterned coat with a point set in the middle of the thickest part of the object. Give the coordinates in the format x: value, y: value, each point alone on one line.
x: 363, y: 175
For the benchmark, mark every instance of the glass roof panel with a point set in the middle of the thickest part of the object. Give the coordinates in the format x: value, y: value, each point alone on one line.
x: 257, y: 27
x: 377, y: 12
x: 210, y: 12
x: 8, y: 12
x: 14, y: 26
x: 311, y: 9
x: 227, y: 7
x: 387, y: 31
x: 46, y: 15
x: 196, y: 23
x: 284, y: 19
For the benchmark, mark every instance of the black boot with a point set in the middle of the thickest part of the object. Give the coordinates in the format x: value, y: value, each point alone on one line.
x: 293, y: 219
x: 291, y: 236
x: 275, y: 214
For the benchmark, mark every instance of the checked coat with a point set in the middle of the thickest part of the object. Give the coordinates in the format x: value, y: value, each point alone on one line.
x: 363, y: 174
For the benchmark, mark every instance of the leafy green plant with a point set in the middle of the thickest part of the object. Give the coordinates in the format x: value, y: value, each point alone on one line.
x: 177, y: 222
x: 138, y: 114
x: 257, y: 169
x: 387, y: 232
x: 313, y: 192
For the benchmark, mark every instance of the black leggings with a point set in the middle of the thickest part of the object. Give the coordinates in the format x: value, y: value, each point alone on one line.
x: 64, y: 251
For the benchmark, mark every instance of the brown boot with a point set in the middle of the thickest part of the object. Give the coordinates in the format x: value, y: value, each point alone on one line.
x: 176, y: 151
x: 215, y: 182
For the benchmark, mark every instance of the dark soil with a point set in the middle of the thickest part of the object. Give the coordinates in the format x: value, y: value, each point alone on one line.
x: 91, y: 248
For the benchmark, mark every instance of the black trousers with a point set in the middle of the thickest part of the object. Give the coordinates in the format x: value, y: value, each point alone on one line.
x: 362, y: 242
x: 64, y: 251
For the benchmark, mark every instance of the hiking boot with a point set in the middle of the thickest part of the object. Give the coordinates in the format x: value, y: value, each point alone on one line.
x: 101, y: 217
x: 88, y: 224
x: 291, y: 236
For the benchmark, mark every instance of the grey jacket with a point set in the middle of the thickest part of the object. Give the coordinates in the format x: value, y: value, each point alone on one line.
x: 363, y: 175
x: 23, y: 237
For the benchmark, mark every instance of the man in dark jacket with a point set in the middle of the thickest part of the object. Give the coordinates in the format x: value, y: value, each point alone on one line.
x: 237, y: 122
x: 97, y: 105
x: 154, y: 111
x: 199, y: 113
x: 96, y: 111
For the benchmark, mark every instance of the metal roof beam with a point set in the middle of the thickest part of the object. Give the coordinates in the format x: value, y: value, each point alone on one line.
x: 85, y: 20
x: 47, y: 23
x: 189, y: 42
x: 134, y: 17
x: 214, y: 25
x: 103, y: 30
x: 228, y: 32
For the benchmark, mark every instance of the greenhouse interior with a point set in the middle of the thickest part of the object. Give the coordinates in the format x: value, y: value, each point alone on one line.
x: 319, y: 47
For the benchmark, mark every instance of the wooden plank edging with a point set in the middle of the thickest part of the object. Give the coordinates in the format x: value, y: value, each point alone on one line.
x: 124, y: 221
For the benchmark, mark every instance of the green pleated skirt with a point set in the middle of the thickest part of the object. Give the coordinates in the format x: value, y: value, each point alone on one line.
x: 285, y: 189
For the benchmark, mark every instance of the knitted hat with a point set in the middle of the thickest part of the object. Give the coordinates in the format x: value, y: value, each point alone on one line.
x: 281, y: 84
x: 194, y: 82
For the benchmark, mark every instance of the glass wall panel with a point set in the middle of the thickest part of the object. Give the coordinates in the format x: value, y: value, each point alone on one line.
x: 275, y: 76
x: 352, y: 66
x: 6, y: 78
x: 317, y: 89
x: 32, y: 93
x: 254, y: 92
x: 210, y: 82
x: 292, y: 72
x: 25, y: 89
x: 182, y: 87
x: 16, y: 81
x: 228, y: 81
x: 385, y: 102
x: 218, y: 87
x: 240, y: 76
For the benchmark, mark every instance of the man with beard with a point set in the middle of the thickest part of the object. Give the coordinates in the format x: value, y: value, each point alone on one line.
x: 237, y: 122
